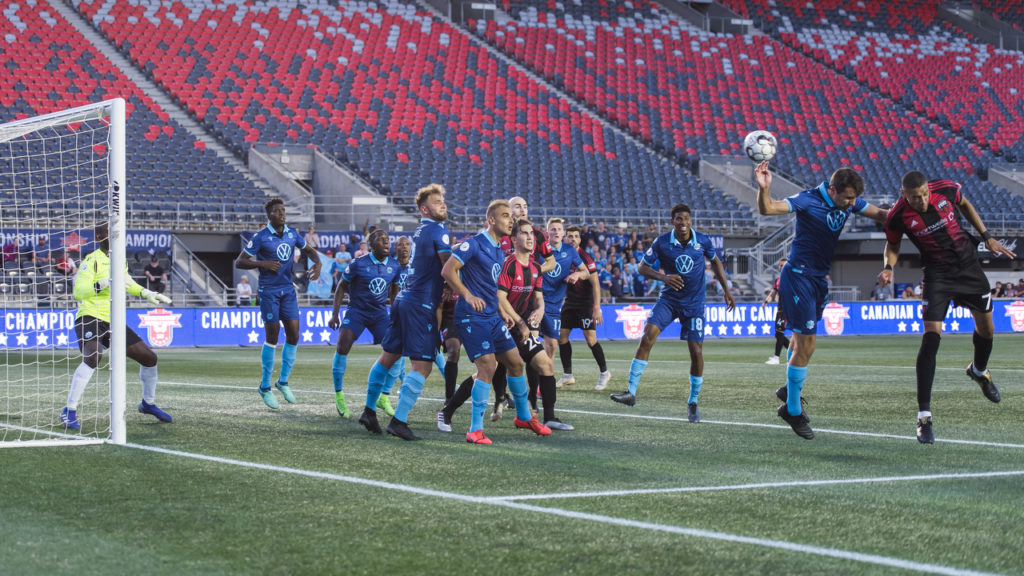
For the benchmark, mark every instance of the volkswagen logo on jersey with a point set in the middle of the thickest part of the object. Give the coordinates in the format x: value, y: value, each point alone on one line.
x: 401, y: 279
x: 836, y: 219
x: 378, y: 286
x: 495, y: 272
x: 284, y: 252
x: 684, y: 264
x: 556, y: 271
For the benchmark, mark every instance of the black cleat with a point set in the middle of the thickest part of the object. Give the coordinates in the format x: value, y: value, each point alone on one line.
x: 924, y: 430
x: 782, y: 394
x: 692, y: 414
x: 985, y: 381
x: 398, y: 428
x: 369, y: 420
x: 626, y: 398
x: 799, y: 423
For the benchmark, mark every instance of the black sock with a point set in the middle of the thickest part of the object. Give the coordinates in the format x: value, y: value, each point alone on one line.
x: 547, y: 391
x: 500, y: 383
x: 926, y: 369
x: 565, y: 353
x: 451, y: 378
x: 599, y: 356
x: 532, y: 383
x: 459, y: 397
x: 780, y: 343
x: 982, y: 350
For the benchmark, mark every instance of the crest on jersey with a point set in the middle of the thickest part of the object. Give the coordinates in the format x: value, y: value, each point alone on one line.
x: 943, y: 204
x: 495, y: 271
x: 464, y: 247
x: 556, y: 271
x: 1016, y: 313
x: 835, y: 316
x: 445, y: 239
x: 284, y: 252
x: 377, y: 286
x: 632, y: 318
x: 684, y: 264
x: 836, y: 219
x: 160, y: 325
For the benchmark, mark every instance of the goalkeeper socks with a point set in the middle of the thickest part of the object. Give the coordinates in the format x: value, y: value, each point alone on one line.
x: 396, y: 374
x: 412, y: 387
x: 481, y: 390
x: 517, y: 384
x: 982, y: 350
x: 78, y: 383
x: 148, y: 376
x: 338, y: 371
x: 599, y: 356
x: 287, y: 361
x: 795, y: 376
x: 695, y: 383
x: 374, y: 383
x: 636, y: 370
x: 267, y: 359
x: 926, y: 368
x: 565, y: 354
x: 440, y: 360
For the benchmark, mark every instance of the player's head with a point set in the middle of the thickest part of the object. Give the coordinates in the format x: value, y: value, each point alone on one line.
x: 102, y: 232
x: 275, y: 212
x: 556, y: 231
x: 914, y: 189
x: 522, y: 235
x: 499, y: 218
x: 520, y: 209
x: 379, y: 243
x: 430, y: 201
x: 403, y: 248
x: 681, y: 220
x: 572, y: 236
x: 844, y: 187
x: 782, y: 262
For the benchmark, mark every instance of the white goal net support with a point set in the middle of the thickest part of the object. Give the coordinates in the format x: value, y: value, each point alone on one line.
x: 60, y: 175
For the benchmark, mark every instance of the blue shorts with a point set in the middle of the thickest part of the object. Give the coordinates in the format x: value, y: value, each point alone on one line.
x: 482, y: 336
x: 551, y: 324
x: 377, y: 323
x: 413, y: 331
x: 802, y: 299
x: 279, y: 304
x: 691, y: 318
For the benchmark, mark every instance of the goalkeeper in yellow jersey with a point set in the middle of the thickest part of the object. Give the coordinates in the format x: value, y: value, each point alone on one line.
x: 92, y: 326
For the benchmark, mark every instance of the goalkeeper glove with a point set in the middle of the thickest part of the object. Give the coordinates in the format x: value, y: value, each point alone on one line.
x: 155, y: 298
x: 101, y: 285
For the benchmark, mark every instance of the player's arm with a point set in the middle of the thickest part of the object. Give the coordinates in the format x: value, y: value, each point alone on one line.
x: 772, y: 292
x: 673, y: 281
x: 536, y: 310
x: 549, y: 264
x: 450, y: 273
x: 889, y: 257
x: 875, y: 213
x: 339, y: 295
x: 245, y: 261
x: 311, y: 253
x: 719, y: 272
x: 765, y: 205
x: 508, y: 313
x: 595, y: 286
x: 995, y: 246
x: 581, y: 273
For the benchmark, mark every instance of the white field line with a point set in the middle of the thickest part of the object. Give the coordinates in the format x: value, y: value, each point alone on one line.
x: 648, y: 417
x: 758, y: 486
x: 693, y: 532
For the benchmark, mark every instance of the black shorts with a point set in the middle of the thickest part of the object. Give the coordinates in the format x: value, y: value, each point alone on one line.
x: 578, y: 318
x: 967, y: 287
x: 90, y: 328
x: 528, y: 350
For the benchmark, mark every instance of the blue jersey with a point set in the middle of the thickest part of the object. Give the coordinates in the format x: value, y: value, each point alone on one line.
x: 686, y: 260
x: 567, y: 261
x: 818, y: 225
x: 267, y: 244
x: 423, y: 283
x: 403, y: 274
x: 481, y: 259
x: 369, y: 280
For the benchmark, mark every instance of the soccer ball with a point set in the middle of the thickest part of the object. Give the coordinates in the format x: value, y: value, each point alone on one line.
x: 760, y: 145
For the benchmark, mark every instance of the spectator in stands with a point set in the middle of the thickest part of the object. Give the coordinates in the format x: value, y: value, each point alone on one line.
x: 908, y: 292
x: 64, y: 264
x: 156, y: 277
x: 362, y: 251
x: 601, y: 236
x: 882, y: 293
x: 604, y: 278
x: 11, y: 251
x: 312, y: 238
x: 353, y: 244
x: 918, y: 290
x: 639, y: 288
x: 41, y: 255
x: 1020, y: 287
x: 341, y: 260
x: 652, y: 232
x: 243, y: 292
x: 998, y: 291
x: 617, y: 285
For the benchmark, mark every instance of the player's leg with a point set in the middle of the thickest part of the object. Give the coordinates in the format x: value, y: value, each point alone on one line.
x: 660, y: 317
x: 338, y: 367
x: 566, y: 321
x: 538, y: 361
x: 780, y: 337
x: 90, y: 332
x: 420, y: 346
x: 694, y: 334
x: 290, y: 320
x: 486, y: 365
x: 499, y: 382
x: 980, y: 306
x: 391, y: 352
x: 517, y: 386
x: 452, y: 345
x: 270, y: 305
x: 802, y: 300
x: 412, y: 387
x: 602, y: 365
x: 139, y: 351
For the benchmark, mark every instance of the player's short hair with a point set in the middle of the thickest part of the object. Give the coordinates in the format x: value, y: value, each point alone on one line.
x: 556, y: 221
x: 844, y: 178
x: 374, y: 235
x: 783, y: 259
x: 401, y: 238
x: 268, y: 207
x: 496, y: 204
x: 913, y: 180
x: 426, y: 192
x: 518, y: 225
x: 573, y: 228
x: 680, y: 207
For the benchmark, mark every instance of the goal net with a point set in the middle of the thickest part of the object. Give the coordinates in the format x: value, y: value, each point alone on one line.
x: 60, y: 175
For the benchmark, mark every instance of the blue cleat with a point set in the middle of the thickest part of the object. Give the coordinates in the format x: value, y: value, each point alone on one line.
x: 70, y: 419
x: 268, y: 398
x: 154, y: 410
x: 286, y: 391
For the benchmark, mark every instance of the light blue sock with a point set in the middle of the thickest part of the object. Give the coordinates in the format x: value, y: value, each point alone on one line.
x: 695, y: 383
x: 412, y: 387
x: 481, y: 391
x: 440, y: 361
x: 396, y: 374
x: 374, y: 382
x: 338, y: 370
x: 636, y: 370
x: 267, y: 359
x: 287, y: 361
x: 517, y: 385
x: 795, y: 376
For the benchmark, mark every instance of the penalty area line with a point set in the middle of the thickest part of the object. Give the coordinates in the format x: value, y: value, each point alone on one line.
x: 574, y: 515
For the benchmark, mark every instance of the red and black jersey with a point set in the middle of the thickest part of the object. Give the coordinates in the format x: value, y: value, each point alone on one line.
x: 448, y: 299
x: 519, y: 281
x: 939, y: 238
x: 541, y: 247
x: 580, y: 296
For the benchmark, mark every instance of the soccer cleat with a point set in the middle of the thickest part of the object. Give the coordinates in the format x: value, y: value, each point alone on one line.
x: 286, y: 391
x: 924, y: 430
x: 565, y: 380
x: 533, y: 424
x: 154, y: 410
x: 692, y: 414
x: 556, y: 424
x: 369, y: 421
x: 985, y: 381
x: 626, y: 398
x: 478, y: 438
x: 782, y: 394
x: 398, y: 428
x: 602, y: 380
x: 444, y: 423
x: 384, y: 403
x: 70, y: 419
x: 799, y: 423
x: 268, y: 398
x: 339, y: 403
x: 499, y: 409
x: 772, y: 360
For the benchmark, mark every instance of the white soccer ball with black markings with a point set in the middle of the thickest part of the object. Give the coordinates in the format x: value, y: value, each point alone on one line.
x: 760, y: 145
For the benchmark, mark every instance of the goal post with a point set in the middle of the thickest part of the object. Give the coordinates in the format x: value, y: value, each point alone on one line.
x: 61, y: 174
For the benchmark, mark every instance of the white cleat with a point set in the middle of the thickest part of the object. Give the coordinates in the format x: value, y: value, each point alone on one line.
x: 567, y: 380
x: 774, y: 361
x: 442, y: 424
x: 602, y: 380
